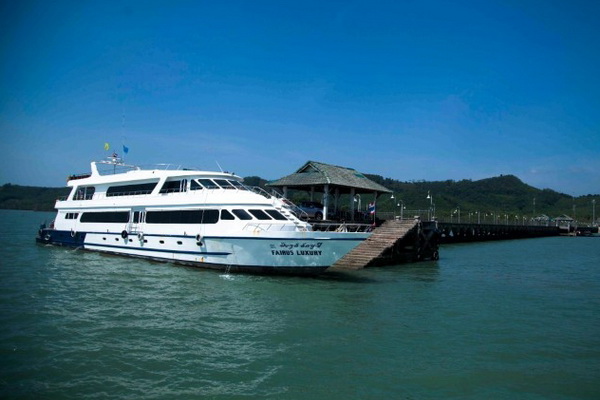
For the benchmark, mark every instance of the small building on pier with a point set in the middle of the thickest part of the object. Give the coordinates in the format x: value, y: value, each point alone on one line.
x: 564, y: 220
x: 331, y: 181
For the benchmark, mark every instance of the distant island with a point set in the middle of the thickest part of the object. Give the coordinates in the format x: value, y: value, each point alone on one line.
x: 504, y: 194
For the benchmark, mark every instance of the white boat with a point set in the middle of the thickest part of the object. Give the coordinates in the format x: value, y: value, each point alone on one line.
x: 201, y: 218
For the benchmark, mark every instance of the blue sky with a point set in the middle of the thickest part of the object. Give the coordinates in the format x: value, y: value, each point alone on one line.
x: 409, y: 90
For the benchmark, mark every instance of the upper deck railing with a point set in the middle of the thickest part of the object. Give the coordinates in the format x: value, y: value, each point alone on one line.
x: 285, y: 202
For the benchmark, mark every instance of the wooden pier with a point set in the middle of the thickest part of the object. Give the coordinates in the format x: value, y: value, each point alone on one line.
x: 394, y: 242
x: 459, y: 233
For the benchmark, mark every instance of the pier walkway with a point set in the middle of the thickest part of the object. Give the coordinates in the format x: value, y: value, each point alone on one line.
x: 391, y: 243
x: 458, y: 233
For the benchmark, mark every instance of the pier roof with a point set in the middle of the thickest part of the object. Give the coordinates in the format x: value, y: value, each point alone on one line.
x: 315, y: 173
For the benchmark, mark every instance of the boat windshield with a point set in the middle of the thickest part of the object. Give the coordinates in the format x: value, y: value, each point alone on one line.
x: 208, y: 183
x: 225, y: 184
x: 238, y: 185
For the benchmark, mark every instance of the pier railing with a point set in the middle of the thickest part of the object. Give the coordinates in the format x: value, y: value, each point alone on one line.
x: 474, y: 219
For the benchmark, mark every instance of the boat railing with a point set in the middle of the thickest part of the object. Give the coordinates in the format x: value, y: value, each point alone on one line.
x: 99, y: 196
x: 281, y: 200
x: 164, y: 167
x: 78, y: 176
x: 254, y: 226
x: 261, y: 191
x: 117, y: 166
x: 294, y: 209
x: 341, y: 227
x: 130, y: 193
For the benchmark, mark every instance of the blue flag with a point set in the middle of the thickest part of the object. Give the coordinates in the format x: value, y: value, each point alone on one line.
x: 125, y: 149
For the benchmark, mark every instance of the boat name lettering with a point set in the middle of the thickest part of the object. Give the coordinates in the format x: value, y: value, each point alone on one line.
x: 303, y: 246
x: 297, y: 252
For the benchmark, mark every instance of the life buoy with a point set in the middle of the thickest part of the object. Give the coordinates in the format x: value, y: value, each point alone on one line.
x: 140, y: 236
x: 199, y: 240
x: 124, y: 234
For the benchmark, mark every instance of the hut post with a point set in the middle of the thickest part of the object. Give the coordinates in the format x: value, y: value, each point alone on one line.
x: 325, y: 200
x: 352, y: 194
x: 375, y: 194
x: 337, y: 202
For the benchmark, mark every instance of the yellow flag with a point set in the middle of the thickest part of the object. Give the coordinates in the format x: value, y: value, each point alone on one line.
x: 106, y: 146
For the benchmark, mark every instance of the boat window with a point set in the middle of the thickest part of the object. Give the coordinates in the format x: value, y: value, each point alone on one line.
x: 84, y: 193
x: 131, y: 190
x: 242, y: 214
x: 105, y: 216
x: 276, y: 214
x: 71, y: 215
x: 207, y: 183
x: 238, y: 185
x: 174, y: 186
x: 260, y: 214
x: 225, y: 184
x: 183, y: 217
x: 194, y: 185
x: 226, y: 215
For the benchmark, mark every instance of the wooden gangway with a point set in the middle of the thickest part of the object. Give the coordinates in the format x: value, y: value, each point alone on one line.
x: 392, y: 242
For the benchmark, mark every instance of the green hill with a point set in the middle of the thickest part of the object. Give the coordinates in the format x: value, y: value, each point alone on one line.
x: 15, y: 197
x: 505, y: 194
x: 502, y: 195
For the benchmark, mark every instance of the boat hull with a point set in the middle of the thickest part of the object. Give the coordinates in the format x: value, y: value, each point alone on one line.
x: 299, y: 253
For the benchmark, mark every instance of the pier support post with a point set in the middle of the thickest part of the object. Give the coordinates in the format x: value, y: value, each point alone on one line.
x: 352, y: 194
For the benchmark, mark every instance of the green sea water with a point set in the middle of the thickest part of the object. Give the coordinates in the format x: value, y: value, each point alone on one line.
x: 498, y: 320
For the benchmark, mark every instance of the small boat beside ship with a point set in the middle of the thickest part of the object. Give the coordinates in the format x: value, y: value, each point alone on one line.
x: 201, y: 218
